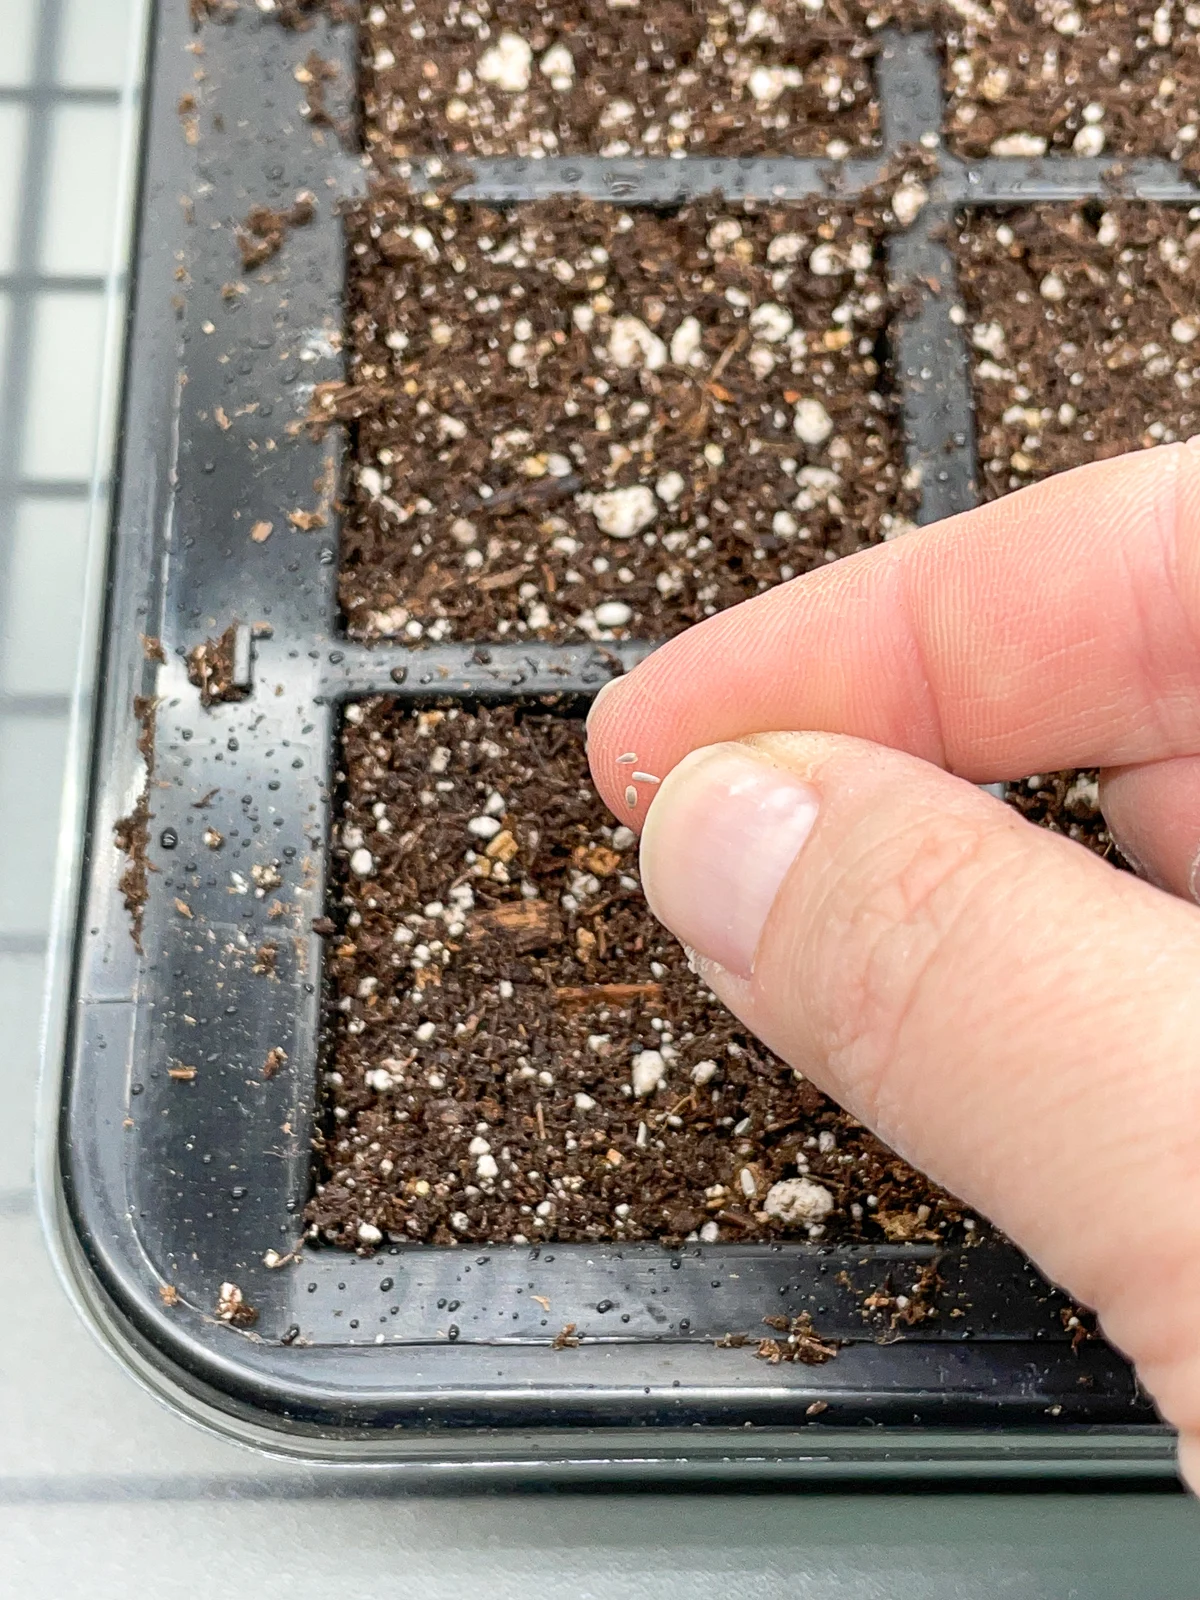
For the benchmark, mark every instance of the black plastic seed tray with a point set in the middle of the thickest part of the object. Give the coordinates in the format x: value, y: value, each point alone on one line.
x: 184, y: 1163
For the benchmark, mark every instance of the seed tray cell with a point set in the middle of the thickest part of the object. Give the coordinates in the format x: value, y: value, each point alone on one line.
x: 728, y: 415
x: 191, y: 1089
x: 486, y: 1008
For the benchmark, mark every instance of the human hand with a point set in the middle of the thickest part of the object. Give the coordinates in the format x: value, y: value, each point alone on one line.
x: 1007, y: 1011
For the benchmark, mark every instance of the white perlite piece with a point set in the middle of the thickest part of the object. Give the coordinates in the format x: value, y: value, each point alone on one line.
x: 704, y: 1072
x: 1019, y: 146
x: 632, y: 344
x: 813, y: 423
x: 484, y: 827
x: 486, y: 1168
x: 989, y: 337
x: 1184, y: 330
x: 613, y: 614
x: 669, y: 487
x: 785, y: 247
x: 798, y: 1200
x: 507, y: 64
x: 766, y: 84
x: 686, y: 343
x: 908, y: 201
x: 724, y: 233
x: 362, y: 863
x: 1052, y: 287
x: 558, y: 64
x: 368, y: 1233
x: 825, y: 262
x: 623, y: 837
x: 623, y: 512
x: 649, y: 1070
x: 771, y: 322
x: 1089, y: 141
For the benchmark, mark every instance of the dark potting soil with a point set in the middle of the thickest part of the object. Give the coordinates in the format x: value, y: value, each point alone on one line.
x: 569, y: 419
x: 520, y: 1052
x: 1084, y: 322
x: 618, y: 77
x: 1083, y: 77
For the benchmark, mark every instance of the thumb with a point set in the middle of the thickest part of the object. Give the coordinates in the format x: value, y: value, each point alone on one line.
x: 1011, y: 1014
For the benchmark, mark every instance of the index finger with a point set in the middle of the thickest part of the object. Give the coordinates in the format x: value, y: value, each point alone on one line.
x: 1058, y: 627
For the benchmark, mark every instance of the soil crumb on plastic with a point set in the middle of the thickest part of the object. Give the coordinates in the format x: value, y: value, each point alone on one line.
x: 211, y: 666
x: 261, y: 232
x: 519, y: 1051
x: 131, y: 833
x: 797, y: 1340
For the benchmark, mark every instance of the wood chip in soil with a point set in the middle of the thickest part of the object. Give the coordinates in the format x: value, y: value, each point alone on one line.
x: 571, y: 420
x: 465, y: 1102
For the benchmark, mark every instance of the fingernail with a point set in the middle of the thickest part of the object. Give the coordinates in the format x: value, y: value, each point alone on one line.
x: 720, y: 838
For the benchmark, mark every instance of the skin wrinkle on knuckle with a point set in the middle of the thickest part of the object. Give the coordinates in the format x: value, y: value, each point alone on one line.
x: 872, y: 967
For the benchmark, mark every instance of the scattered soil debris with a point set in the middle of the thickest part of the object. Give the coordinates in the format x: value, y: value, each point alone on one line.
x: 182, y: 1074
x: 210, y: 668
x: 799, y: 1342
x: 168, y: 1294
x: 132, y: 832
x: 201, y: 11
x: 276, y: 1058
x: 306, y: 521
x: 566, y: 1338
x: 560, y: 1074
x: 905, y: 1308
x: 265, y: 958
x: 261, y: 233
x: 1081, y: 1324
x: 315, y: 74
x: 232, y: 1307
x: 614, y: 423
